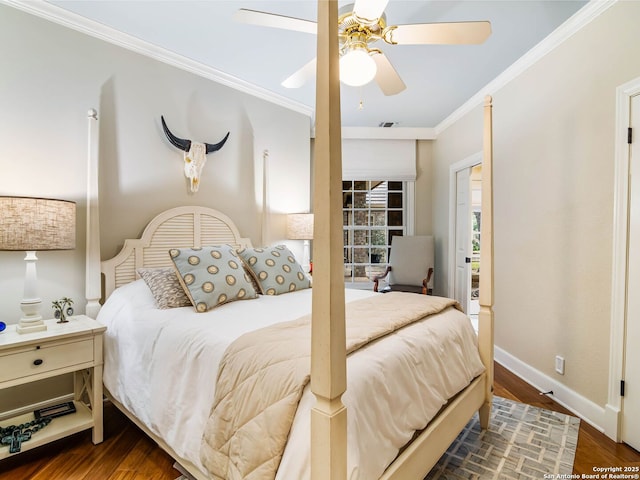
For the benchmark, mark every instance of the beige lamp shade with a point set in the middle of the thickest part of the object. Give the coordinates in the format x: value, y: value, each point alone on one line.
x: 300, y: 226
x: 29, y: 224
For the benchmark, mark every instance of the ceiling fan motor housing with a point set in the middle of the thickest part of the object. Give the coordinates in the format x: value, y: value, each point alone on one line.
x: 356, y: 32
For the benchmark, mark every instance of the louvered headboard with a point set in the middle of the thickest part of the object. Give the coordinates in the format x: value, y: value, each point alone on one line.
x: 179, y: 227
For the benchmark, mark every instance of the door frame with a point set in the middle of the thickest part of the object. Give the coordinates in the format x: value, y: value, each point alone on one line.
x: 470, y: 161
x: 613, y: 408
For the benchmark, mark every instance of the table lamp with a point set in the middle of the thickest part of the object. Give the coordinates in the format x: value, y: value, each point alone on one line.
x: 30, y: 224
x: 300, y: 227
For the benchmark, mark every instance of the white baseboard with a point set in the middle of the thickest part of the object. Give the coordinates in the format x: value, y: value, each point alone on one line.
x: 612, y: 417
x: 582, y: 407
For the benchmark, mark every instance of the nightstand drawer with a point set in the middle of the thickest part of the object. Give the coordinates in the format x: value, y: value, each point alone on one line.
x: 46, y: 358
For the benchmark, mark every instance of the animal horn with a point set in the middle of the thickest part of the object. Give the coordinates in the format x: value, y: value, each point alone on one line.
x: 217, y: 146
x: 177, y: 142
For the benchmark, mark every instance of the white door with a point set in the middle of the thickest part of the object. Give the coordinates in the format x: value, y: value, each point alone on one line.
x: 476, y: 212
x: 462, y: 281
x: 631, y: 399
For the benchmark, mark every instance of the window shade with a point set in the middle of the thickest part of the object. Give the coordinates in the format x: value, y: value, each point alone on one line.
x: 379, y: 160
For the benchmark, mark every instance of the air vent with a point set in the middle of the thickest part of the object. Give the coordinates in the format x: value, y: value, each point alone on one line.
x: 386, y: 124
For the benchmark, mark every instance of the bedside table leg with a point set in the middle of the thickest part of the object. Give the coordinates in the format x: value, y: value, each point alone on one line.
x: 96, y: 405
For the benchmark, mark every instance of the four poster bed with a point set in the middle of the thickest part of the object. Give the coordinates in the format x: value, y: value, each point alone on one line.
x: 412, y: 383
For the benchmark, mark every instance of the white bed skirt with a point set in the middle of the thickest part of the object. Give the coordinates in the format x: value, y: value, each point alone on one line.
x: 161, y: 365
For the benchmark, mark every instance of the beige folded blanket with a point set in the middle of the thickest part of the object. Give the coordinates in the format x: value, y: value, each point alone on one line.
x: 263, y: 373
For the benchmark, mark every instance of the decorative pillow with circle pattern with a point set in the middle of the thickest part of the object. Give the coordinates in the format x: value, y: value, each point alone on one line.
x: 165, y: 287
x: 212, y: 276
x: 275, y: 269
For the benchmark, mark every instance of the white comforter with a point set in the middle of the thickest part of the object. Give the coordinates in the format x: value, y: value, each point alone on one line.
x: 162, y: 364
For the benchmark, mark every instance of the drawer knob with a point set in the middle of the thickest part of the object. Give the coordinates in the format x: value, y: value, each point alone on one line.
x: 38, y: 361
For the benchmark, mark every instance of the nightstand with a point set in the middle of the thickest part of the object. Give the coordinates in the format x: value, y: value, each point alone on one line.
x: 72, y: 347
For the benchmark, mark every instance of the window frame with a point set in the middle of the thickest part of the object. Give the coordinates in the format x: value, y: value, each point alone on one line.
x: 353, y: 278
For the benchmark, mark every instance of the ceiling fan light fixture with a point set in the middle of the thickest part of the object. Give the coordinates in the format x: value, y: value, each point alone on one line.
x: 357, y: 67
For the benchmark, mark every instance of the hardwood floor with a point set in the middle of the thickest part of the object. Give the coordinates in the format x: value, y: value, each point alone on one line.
x: 595, y: 449
x: 127, y: 454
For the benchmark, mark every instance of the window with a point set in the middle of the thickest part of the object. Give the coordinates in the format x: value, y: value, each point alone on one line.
x: 373, y: 212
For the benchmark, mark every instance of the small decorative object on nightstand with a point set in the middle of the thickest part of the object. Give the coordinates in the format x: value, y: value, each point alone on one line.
x: 14, y: 435
x: 62, y: 309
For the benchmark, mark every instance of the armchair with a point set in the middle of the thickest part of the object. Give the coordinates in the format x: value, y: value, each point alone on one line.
x: 410, y: 266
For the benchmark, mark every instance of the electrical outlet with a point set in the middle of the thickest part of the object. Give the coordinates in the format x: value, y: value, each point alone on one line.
x: 560, y: 364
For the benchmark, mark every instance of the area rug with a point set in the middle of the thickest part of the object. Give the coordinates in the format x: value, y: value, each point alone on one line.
x: 522, y: 442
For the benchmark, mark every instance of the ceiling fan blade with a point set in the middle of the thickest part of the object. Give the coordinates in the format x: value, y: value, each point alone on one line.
x: 265, y: 19
x: 386, y: 76
x: 369, y: 9
x: 301, y: 77
x: 441, y: 33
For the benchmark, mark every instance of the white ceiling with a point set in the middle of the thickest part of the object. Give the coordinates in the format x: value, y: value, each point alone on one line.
x: 439, y: 79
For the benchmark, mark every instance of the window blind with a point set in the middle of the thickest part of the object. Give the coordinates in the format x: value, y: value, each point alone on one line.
x: 393, y: 160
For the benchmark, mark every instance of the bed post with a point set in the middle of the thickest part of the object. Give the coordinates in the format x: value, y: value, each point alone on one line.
x: 485, y: 317
x: 93, y: 289
x: 266, y: 208
x: 328, y: 344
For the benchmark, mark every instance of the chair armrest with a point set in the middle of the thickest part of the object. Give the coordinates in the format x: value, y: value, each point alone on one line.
x: 425, y: 282
x: 380, y: 277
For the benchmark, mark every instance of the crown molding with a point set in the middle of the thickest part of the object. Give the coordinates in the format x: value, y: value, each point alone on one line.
x: 379, y: 133
x: 573, y: 24
x: 393, y: 133
x: 81, y: 24
x: 84, y: 25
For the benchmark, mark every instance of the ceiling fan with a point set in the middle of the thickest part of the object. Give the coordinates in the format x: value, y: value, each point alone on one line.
x: 362, y: 24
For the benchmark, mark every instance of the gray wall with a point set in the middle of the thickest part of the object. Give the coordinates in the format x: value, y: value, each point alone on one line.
x: 53, y: 75
x: 554, y: 191
x: 424, y: 188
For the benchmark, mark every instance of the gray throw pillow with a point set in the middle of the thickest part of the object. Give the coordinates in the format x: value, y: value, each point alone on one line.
x: 212, y: 276
x: 165, y: 287
x: 275, y: 269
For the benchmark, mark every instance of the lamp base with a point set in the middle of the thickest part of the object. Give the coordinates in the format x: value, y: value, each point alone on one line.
x: 31, y: 327
x: 32, y: 320
x: 306, y: 262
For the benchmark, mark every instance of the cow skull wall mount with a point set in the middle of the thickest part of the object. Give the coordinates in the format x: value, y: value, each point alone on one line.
x: 195, y: 154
